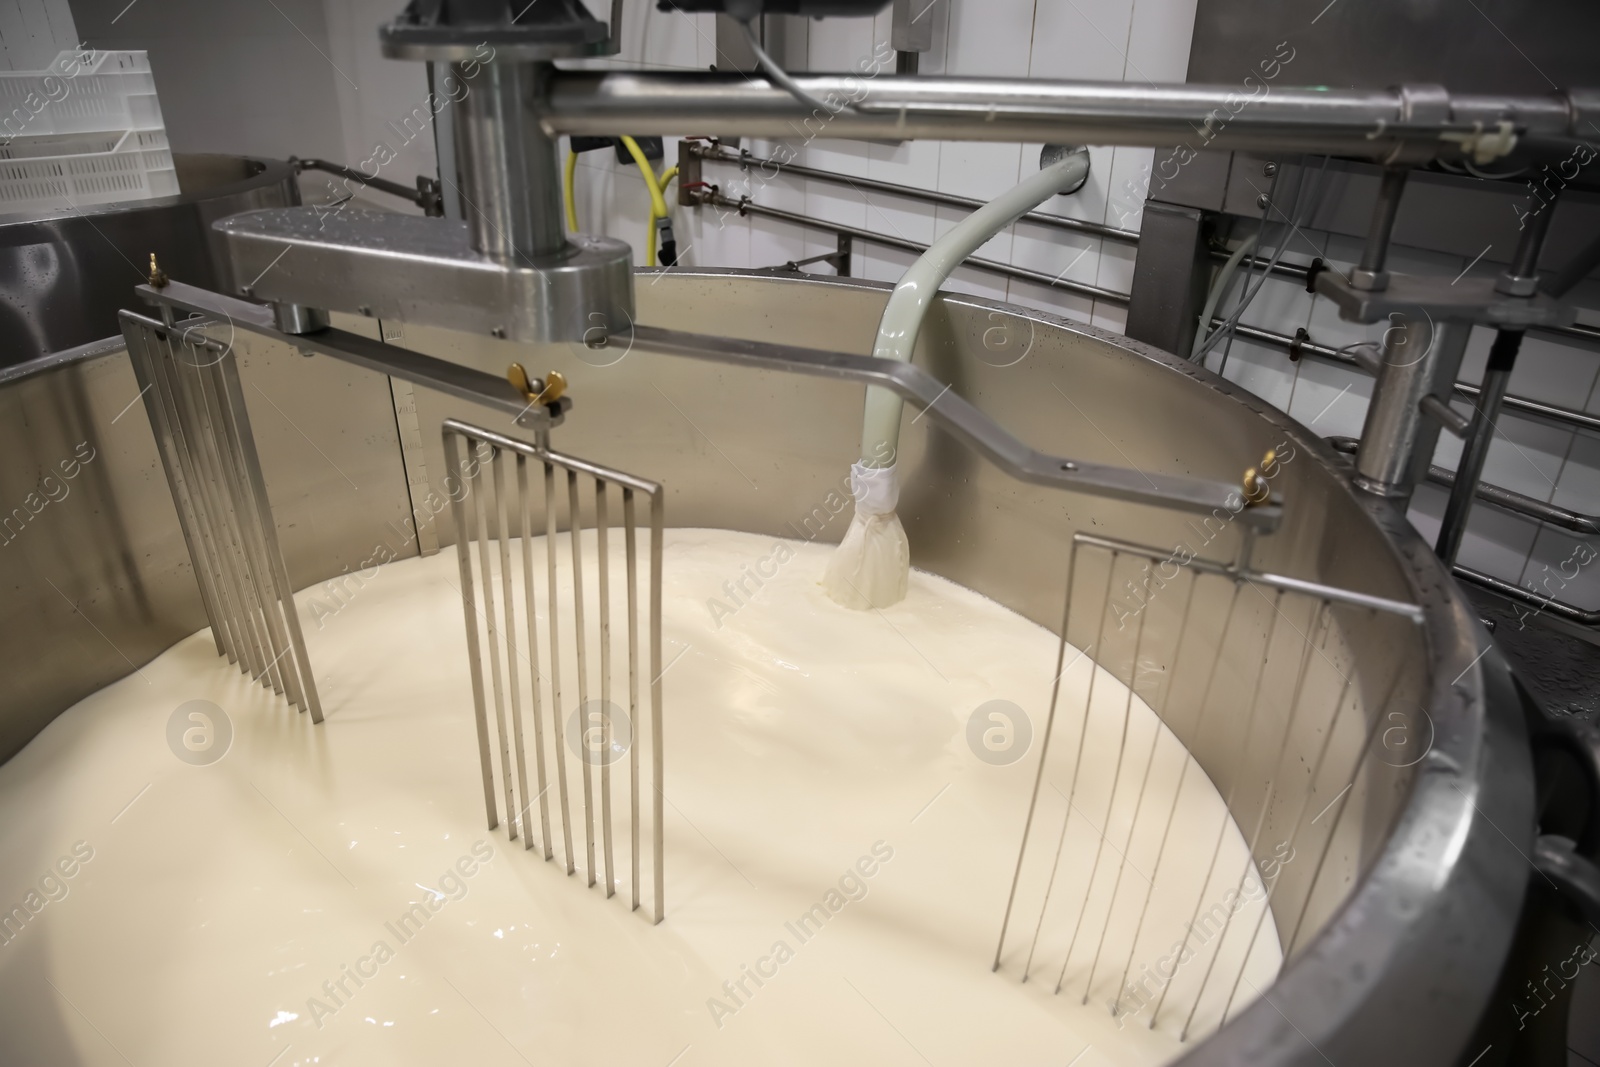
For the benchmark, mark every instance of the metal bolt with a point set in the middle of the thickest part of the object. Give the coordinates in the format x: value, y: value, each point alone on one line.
x: 364, y: 309
x: 1263, y: 201
x: 1255, y: 490
x: 498, y: 331
x: 1269, y: 169
x: 246, y: 290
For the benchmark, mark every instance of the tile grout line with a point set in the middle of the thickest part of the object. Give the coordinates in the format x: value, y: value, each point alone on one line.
x: 1561, y: 470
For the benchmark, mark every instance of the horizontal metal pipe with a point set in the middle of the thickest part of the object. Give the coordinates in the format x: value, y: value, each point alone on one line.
x: 1538, y: 409
x: 1369, y: 124
x: 928, y: 196
x: 1518, y: 504
x: 1550, y: 412
x: 1311, y: 348
x: 1506, y: 589
x: 1502, y: 498
x: 1580, y: 420
x: 1576, y: 333
x: 745, y: 207
x: 350, y: 174
x: 1579, y: 332
x: 931, y: 196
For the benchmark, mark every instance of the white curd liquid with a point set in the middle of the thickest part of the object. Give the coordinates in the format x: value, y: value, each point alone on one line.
x: 249, y: 912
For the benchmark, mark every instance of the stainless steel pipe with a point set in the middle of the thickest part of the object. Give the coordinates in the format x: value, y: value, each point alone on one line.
x: 1419, y: 357
x: 1370, y: 124
x: 1497, y: 376
x: 509, y: 167
x: 745, y: 160
x: 856, y: 233
x: 1369, y: 274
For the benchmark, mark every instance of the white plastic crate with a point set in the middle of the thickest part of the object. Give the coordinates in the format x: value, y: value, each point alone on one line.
x: 79, y: 170
x: 87, y: 131
x: 83, y: 91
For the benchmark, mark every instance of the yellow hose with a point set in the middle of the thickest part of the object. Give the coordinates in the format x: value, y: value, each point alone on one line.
x: 569, y: 181
x: 658, y: 203
x: 661, y: 183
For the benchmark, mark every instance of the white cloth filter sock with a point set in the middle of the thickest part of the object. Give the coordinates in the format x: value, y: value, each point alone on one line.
x: 872, y: 564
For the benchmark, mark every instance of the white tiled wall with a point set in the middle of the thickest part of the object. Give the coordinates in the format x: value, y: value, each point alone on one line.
x: 252, y: 79
x: 379, y: 95
x: 1131, y: 40
x: 1102, y: 39
x: 1532, y: 457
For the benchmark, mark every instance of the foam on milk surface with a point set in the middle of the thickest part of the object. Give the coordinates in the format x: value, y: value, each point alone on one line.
x: 330, y: 895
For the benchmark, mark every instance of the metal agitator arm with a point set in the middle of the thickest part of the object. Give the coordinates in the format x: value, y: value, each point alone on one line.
x: 915, y: 385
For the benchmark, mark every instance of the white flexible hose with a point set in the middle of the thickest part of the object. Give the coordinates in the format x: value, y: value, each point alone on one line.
x: 1219, y: 289
x: 909, y: 303
x: 871, y: 568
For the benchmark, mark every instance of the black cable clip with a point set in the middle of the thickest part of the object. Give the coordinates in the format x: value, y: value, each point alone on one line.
x: 1299, y: 339
x: 1316, y: 268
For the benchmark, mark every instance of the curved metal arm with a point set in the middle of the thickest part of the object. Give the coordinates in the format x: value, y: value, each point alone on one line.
x: 426, y: 195
x: 966, y: 422
x: 955, y: 414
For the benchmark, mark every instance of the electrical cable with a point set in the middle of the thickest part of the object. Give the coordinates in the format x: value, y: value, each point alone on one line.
x: 779, y: 77
x: 1490, y: 176
x: 1291, y: 223
x: 569, y: 186
x: 1219, y: 288
x: 1342, y: 349
x: 1204, y: 345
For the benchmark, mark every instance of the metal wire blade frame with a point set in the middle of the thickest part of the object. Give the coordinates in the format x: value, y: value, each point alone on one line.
x: 471, y: 507
x: 192, y: 394
x: 1322, y: 599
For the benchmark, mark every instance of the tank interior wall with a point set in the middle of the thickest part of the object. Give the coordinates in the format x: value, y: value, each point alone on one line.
x: 99, y: 582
